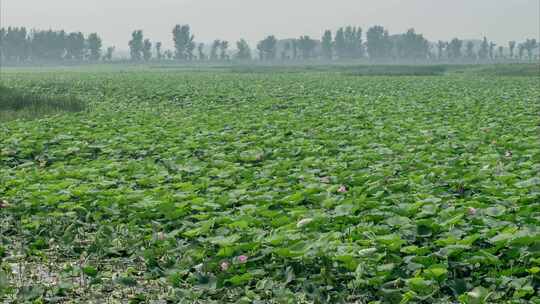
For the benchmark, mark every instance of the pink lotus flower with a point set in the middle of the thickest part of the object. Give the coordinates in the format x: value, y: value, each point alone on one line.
x: 242, y: 259
x: 224, y: 266
x: 471, y: 211
x: 342, y: 189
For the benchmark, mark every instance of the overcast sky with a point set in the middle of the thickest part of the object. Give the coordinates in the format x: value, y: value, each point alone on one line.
x: 500, y: 20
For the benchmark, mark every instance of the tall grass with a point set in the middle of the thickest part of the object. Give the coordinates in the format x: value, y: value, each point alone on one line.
x: 351, y: 70
x: 524, y: 70
x: 398, y: 70
x: 15, y: 104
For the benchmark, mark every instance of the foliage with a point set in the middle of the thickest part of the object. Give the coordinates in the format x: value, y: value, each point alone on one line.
x: 75, y: 46
x: 136, y: 45
x: 159, y: 54
x: 307, y: 46
x: 48, y: 45
x: 16, y: 104
x: 214, y: 49
x: 521, y: 70
x: 147, y: 50
x: 109, y: 53
x: 223, y: 46
x: 267, y: 48
x: 379, y: 45
x: 327, y: 45
x: 200, y: 50
x: 454, y: 49
x: 515, y: 70
x: 529, y: 45
x: 469, y: 50
x: 15, y: 44
x: 244, y: 52
x: 484, y: 49
x: 398, y: 70
x: 184, y: 42
x: 94, y: 46
x: 348, y: 43
x: 412, y: 46
x: 511, y: 47
x: 309, y: 187
x: 18, y: 46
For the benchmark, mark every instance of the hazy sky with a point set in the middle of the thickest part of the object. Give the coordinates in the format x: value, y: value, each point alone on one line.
x: 500, y: 20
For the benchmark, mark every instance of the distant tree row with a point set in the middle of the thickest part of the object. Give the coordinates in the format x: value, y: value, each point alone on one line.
x: 486, y: 50
x: 347, y: 43
x: 17, y: 44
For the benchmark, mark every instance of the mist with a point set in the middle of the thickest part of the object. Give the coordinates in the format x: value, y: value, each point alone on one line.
x: 248, y: 151
x: 499, y: 20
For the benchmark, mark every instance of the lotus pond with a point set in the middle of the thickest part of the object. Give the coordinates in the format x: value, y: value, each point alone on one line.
x: 308, y: 187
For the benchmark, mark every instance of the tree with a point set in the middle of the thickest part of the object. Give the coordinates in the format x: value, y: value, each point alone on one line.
x: 353, y: 42
x: 286, y: 50
x: 136, y: 45
x: 75, y: 46
x: 267, y: 48
x: 223, y: 46
x: 412, y: 46
x: 214, y: 49
x: 492, y: 50
x: 109, y: 53
x: 94, y: 46
x: 348, y: 42
x: 15, y: 44
x: 512, y: 47
x: 529, y: 45
x: 327, y: 45
x: 46, y: 45
x: 183, y: 42
x: 190, y: 50
x: 159, y: 55
x: 243, y: 50
x: 340, y: 44
x: 200, y: 50
x: 2, y: 43
x: 294, y: 46
x: 147, y: 50
x: 500, y: 50
x: 378, y: 43
x: 441, y: 46
x: 521, y: 50
x: 454, y: 48
x: 484, y: 49
x: 20, y: 42
x: 469, y: 50
x: 306, y: 46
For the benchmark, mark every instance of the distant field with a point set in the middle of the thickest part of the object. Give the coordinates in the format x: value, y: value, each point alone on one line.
x: 270, y: 184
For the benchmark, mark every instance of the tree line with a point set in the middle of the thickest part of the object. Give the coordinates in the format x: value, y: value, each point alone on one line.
x: 347, y: 43
x: 17, y: 44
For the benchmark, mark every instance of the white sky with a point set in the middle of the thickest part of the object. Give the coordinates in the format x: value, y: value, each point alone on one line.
x: 114, y: 20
